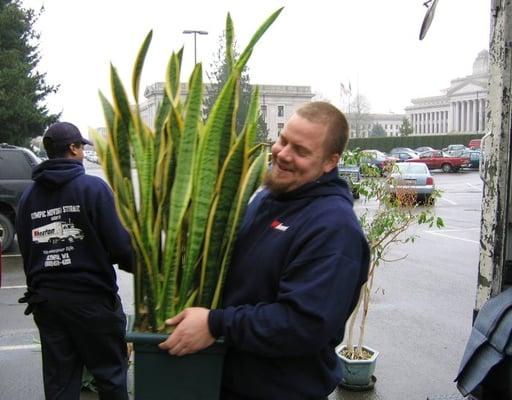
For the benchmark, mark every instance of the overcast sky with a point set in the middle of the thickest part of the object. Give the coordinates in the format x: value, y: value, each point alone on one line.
x: 373, y: 44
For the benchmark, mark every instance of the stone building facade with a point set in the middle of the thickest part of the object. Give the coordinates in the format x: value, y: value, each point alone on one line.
x: 361, y: 125
x: 277, y: 102
x: 460, y: 110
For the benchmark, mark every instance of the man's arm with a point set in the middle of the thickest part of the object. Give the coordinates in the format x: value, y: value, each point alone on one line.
x: 317, y: 295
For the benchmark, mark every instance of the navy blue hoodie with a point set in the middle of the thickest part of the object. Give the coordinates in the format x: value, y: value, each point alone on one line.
x: 69, y: 233
x: 299, y: 263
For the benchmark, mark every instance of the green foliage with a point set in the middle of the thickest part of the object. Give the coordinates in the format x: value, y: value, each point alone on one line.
x: 385, y: 144
x: 377, y: 130
x: 385, y: 226
x: 219, y: 72
x: 406, y: 128
x: 23, y: 89
x: 194, y: 181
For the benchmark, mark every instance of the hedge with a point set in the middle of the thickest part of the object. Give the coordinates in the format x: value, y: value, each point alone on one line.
x: 387, y: 143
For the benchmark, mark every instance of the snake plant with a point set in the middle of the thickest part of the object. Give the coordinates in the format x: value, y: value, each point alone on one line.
x: 181, y: 186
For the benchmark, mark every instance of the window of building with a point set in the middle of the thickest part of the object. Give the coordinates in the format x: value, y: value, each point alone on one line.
x: 280, y: 127
x: 264, y: 111
x: 280, y: 111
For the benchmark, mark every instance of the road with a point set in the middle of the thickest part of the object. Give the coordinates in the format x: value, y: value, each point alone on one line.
x: 419, y: 319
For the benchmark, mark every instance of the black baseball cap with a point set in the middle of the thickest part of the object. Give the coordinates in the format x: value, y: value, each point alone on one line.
x: 62, y: 133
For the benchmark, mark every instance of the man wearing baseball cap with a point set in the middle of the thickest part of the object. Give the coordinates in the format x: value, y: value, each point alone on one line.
x: 70, y: 236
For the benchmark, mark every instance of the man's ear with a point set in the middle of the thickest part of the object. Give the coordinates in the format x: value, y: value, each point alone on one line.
x: 331, y: 162
x: 73, y: 149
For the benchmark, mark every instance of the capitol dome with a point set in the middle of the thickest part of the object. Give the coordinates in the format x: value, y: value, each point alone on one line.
x: 481, y: 63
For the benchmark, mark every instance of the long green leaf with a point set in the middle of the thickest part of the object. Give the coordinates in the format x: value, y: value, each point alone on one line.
x: 226, y: 190
x: 139, y: 63
x: 230, y: 33
x: 122, y: 131
x: 182, y: 188
x: 256, y: 37
x: 250, y: 182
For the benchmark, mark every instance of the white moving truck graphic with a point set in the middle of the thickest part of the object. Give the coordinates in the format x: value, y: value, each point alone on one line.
x: 56, y: 232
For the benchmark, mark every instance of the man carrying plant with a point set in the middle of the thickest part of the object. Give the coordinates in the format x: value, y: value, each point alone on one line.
x: 69, y: 236
x: 296, y: 272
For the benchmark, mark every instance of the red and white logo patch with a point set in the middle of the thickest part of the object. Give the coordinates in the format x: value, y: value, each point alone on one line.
x: 276, y: 224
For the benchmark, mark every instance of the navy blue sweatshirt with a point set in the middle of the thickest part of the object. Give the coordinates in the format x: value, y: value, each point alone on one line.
x: 69, y: 233
x: 299, y: 263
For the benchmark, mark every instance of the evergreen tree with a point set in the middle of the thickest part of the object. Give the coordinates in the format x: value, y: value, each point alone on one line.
x: 406, y: 128
x: 218, y: 76
x: 377, y: 130
x: 23, y: 89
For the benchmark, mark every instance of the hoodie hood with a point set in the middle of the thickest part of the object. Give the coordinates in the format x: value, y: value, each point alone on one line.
x: 327, y: 185
x: 57, y: 172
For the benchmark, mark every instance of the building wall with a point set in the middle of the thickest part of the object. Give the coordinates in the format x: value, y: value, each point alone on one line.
x: 277, y: 102
x: 390, y: 122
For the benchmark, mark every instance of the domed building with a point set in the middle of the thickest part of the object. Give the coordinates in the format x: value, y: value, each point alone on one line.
x: 460, y: 109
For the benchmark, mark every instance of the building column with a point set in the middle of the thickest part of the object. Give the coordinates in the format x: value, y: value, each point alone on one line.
x: 465, y: 116
x: 482, y: 115
x: 451, y: 116
x: 476, y: 111
x: 457, y: 117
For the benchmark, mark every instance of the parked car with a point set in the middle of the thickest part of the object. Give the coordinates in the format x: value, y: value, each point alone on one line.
x: 438, y: 159
x: 413, y: 178
x: 16, y: 165
x: 422, y: 149
x: 404, y: 155
x: 376, y: 159
x: 455, y: 150
x: 474, y: 143
x: 352, y: 174
x: 473, y: 158
x: 401, y: 149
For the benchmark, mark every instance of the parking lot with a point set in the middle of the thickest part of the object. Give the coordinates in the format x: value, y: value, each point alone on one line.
x: 419, y: 320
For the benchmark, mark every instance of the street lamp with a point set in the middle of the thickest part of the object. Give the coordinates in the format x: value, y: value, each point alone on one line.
x: 195, y: 34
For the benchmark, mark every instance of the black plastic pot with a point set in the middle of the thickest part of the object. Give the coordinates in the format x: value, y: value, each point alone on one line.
x: 158, y: 375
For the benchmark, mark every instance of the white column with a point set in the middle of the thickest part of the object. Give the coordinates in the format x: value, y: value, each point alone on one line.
x: 451, y: 116
x: 468, y: 116
x: 476, y: 110
x: 481, y: 106
x: 457, y: 117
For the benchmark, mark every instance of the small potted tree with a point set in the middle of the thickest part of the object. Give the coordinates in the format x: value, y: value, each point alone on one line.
x: 181, y: 188
x: 385, y: 227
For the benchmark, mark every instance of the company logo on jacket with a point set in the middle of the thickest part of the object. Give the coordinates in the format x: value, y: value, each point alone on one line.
x: 276, y: 224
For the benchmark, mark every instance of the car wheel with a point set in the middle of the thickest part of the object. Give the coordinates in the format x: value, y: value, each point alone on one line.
x: 6, y: 232
x: 446, y: 167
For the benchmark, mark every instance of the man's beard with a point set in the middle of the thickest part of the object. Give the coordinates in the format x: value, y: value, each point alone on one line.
x: 274, y: 185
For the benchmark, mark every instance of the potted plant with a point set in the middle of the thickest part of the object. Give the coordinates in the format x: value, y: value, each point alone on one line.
x: 181, y: 188
x: 385, y: 227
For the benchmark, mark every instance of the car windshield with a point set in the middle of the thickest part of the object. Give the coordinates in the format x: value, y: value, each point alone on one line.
x: 406, y: 168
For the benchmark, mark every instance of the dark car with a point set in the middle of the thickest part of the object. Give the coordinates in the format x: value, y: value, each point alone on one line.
x: 16, y: 165
x: 352, y: 174
x: 404, y: 155
x: 376, y: 159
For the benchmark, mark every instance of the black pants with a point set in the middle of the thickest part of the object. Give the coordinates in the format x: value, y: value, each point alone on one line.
x: 77, y: 334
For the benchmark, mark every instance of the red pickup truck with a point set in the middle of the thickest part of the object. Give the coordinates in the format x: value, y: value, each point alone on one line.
x: 437, y: 159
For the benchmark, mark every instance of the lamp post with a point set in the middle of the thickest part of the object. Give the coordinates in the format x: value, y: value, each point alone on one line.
x: 195, y: 34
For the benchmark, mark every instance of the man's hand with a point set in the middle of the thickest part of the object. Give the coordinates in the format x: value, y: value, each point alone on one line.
x: 191, y: 334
